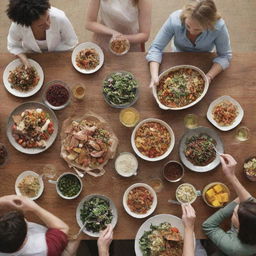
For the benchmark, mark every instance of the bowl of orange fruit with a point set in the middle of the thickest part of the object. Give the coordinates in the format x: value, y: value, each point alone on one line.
x: 216, y: 194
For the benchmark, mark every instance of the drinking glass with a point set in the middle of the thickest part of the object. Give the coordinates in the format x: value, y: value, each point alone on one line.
x: 191, y: 121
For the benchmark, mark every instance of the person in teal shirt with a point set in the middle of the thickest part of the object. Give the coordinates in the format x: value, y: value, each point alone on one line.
x: 240, y: 240
x: 196, y: 28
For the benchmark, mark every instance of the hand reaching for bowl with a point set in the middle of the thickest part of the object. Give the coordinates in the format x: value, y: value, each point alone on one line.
x: 188, y: 216
x: 104, y: 241
x: 228, y: 165
x: 154, y: 81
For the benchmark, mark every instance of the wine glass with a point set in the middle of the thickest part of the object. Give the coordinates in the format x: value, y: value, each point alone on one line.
x: 191, y: 121
x: 242, y: 133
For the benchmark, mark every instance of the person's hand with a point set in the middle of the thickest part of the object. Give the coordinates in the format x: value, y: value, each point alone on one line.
x: 23, y: 203
x: 154, y: 82
x: 104, y: 241
x: 7, y: 201
x: 117, y: 35
x: 228, y: 165
x: 209, y: 78
x: 188, y: 216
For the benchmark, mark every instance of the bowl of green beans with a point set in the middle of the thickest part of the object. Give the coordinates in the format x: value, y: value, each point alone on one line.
x: 69, y: 185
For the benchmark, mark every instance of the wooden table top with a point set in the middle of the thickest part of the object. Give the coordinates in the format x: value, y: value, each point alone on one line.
x: 238, y: 81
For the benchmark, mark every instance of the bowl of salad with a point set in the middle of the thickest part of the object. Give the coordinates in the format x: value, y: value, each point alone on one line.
x: 120, y: 89
x: 97, y: 211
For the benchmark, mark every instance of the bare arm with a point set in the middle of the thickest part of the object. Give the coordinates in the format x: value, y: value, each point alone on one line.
x: 228, y: 168
x: 91, y: 20
x: 188, y: 218
x: 154, y: 70
x: 145, y: 7
x: 214, y: 71
x: 24, y: 59
x: 26, y: 205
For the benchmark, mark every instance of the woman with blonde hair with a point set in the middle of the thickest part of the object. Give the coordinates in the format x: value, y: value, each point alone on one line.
x: 196, y: 28
x: 130, y: 19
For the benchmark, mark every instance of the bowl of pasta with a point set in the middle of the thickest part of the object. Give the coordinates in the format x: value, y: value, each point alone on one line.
x: 152, y: 139
x: 180, y: 87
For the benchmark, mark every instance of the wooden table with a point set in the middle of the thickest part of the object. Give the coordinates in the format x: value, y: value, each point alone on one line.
x: 238, y: 81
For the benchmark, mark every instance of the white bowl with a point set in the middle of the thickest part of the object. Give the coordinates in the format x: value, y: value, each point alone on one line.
x: 169, y: 150
x: 11, y: 66
x: 206, y: 86
x: 22, y: 176
x: 82, y: 47
x: 237, y: 120
x: 80, y: 206
x: 131, y: 173
x: 153, y: 206
x: 197, y: 193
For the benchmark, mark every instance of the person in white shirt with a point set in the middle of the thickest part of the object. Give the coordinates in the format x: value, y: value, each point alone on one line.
x: 38, y: 27
x: 130, y: 19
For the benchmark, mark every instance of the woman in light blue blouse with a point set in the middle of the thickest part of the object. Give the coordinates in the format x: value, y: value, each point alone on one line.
x: 196, y: 28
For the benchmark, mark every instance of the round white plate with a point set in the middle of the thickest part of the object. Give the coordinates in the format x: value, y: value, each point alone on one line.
x: 153, y: 206
x: 157, y: 220
x: 236, y: 122
x: 206, y: 86
x: 169, y: 150
x: 82, y: 47
x: 11, y: 66
x: 197, y: 131
x: 19, y: 110
x: 80, y: 206
x: 22, y: 176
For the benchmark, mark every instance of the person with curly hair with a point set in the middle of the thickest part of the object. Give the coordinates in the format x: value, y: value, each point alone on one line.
x: 38, y: 27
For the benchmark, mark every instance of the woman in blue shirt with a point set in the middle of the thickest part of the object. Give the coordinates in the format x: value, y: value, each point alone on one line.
x: 196, y: 28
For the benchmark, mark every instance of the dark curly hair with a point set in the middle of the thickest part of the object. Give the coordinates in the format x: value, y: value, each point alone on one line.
x: 24, y: 12
x: 13, y: 231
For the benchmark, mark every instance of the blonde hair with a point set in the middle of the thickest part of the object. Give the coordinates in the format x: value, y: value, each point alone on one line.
x: 204, y: 11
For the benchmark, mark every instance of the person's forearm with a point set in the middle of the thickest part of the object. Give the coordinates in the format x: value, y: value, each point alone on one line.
x: 241, y: 192
x: 50, y: 220
x: 103, y: 252
x: 100, y: 28
x: 137, y: 38
x: 214, y: 71
x: 24, y: 59
x: 154, y: 69
x: 188, y: 247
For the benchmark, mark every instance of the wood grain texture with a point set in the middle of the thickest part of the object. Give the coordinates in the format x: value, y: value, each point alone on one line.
x: 238, y: 81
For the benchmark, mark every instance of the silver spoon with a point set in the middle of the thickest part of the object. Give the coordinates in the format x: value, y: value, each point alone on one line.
x: 171, y: 201
x: 80, y: 174
x: 74, y: 237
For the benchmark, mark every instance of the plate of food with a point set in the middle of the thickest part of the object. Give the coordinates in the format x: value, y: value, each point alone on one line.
x: 180, y: 87
x: 97, y: 211
x: 250, y: 168
x: 198, y: 149
x: 152, y: 139
x: 119, y: 46
x: 161, y: 234
x: 29, y: 184
x: 139, y: 200
x: 22, y: 82
x: 216, y: 194
x: 186, y: 193
x: 87, y: 58
x: 120, y: 89
x: 225, y: 113
x: 87, y: 143
x: 32, y: 128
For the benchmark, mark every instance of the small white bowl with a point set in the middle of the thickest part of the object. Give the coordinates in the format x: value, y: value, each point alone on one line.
x: 237, y: 120
x: 153, y: 206
x: 168, y: 151
x: 81, y: 47
x: 130, y: 173
x: 197, y: 193
x: 22, y: 176
x: 119, y: 54
x: 57, y: 187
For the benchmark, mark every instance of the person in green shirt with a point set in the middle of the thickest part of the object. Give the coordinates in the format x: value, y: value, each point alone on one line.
x: 240, y: 240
